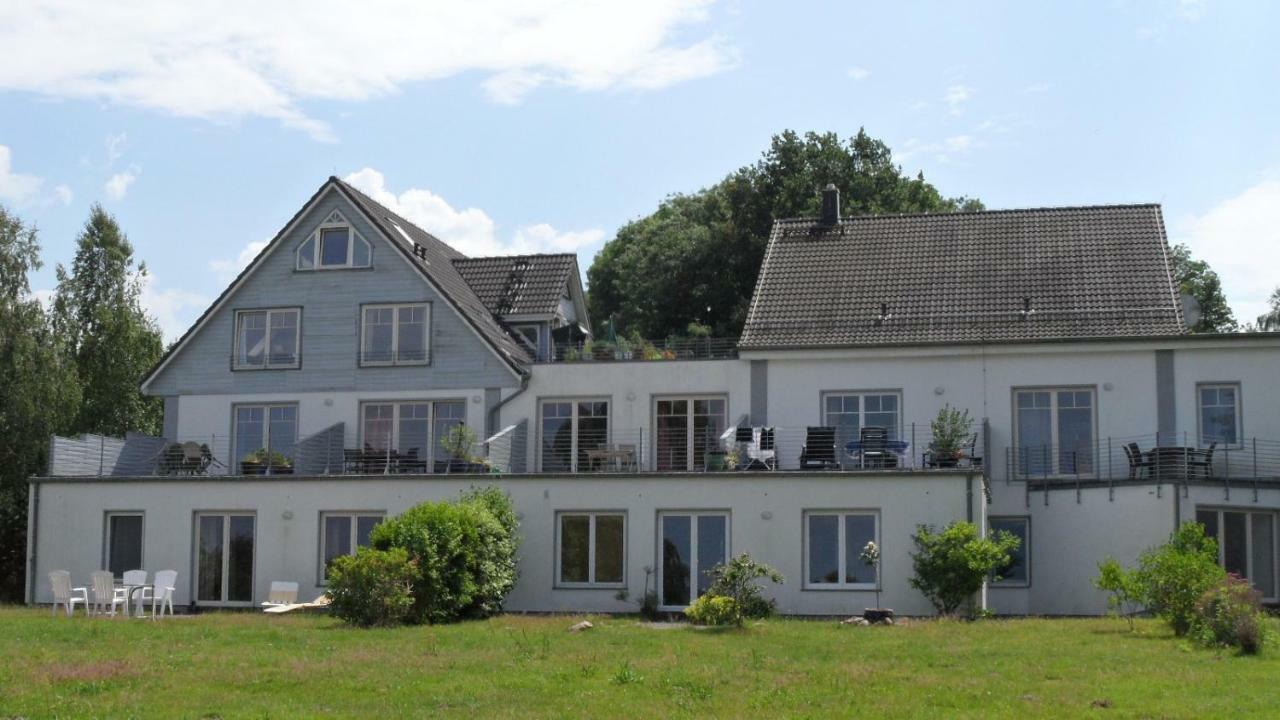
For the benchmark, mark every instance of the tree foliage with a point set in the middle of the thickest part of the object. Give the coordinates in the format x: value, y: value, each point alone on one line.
x: 110, y: 338
x: 1197, y: 279
x: 696, y: 257
x: 951, y: 565
x: 1270, y: 321
x: 38, y: 394
x: 1175, y: 576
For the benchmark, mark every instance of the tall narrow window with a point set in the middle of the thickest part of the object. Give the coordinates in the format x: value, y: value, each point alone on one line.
x: 395, y: 335
x: 1054, y: 431
x: 224, y: 562
x: 1246, y: 545
x: 264, y: 437
x: 834, y: 542
x: 686, y: 428
x: 692, y: 545
x: 1219, y: 406
x: 571, y: 429
x: 1017, y: 573
x: 591, y: 548
x: 267, y: 339
x: 124, y: 542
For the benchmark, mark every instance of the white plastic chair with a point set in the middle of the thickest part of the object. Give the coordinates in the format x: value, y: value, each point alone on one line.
x: 282, y: 593
x: 162, y: 596
x: 66, y: 595
x: 134, y: 578
x: 106, y: 594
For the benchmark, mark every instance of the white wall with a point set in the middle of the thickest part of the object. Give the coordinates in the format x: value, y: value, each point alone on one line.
x: 766, y: 511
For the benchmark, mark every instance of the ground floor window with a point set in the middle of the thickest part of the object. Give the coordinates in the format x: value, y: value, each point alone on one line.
x: 124, y: 542
x: 686, y: 428
x: 591, y: 548
x: 834, y: 541
x: 341, y: 533
x: 224, y: 557
x: 1246, y: 544
x: 692, y: 543
x: 1018, y: 572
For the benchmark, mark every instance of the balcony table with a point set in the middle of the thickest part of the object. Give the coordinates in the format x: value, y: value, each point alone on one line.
x: 855, y: 449
x: 129, y: 591
x: 1176, y: 463
x: 621, y: 458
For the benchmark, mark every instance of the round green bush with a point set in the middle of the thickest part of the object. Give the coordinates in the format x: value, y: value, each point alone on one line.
x: 714, y: 610
x: 372, y: 587
x: 1230, y: 615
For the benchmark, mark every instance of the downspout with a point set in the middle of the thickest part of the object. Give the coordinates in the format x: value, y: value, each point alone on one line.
x: 493, y: 411
x: 33, y: 522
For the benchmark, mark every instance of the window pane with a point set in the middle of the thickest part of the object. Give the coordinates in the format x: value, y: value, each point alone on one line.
x: 250, y: 427
x: 448, y: 416
x: 252, y: 338
x: 125, y: 551
x: 609, y: 548
x: 360, y: 253
x: 575, y: 559
x: 1209, y: 518
x: 307, y: 254
x: 377, y: 426
x: 1075, y: 433
x: 415, y: 430
x: 1264, y: 558
x: 858, y: 531
x: 283, y: 431
x: 364, y: 526
x: 333, y: 246
x: 708, y: 424
x: 378, y: 332
x: 337, y: 538
x: 1016, y: 571
x: 593, y: 429
x: 209, y: 563
x: 284, y: 337
x: 557, y: 436
x: 672, y: 441
x: 676, y: 554
x: 1218, y: 422
x: 824, y: 548
x: 1235, y: 551
x: 413, y: 337
x: 240, y: 559
x: 712, y: 537
x: 1035, y: 429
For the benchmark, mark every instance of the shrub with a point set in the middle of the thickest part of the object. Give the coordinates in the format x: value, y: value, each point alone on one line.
x: 1124, y: 588
x: 1176, y: 575
x: 714, y: 610
x: 1230, y: 615
x: 736, y: 580
x: 372, y: 587
x: 465, y: 554
x: 951, y: 565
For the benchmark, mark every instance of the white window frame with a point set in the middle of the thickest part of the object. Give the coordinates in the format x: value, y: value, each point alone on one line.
x: 591, y: 549
x: 354, y: 516
x: 1239, y: 413
x: 1055, y: 466
x: 335, y: 221
x: 1248, y: 538
x: 692, y: 463
x: 432, y: 440
x: 395, y: 309
x: 1025, y: 549
x: 862, y: 406
x: 238, y: 364
x: 226, y: 516
x: 841, y: 554
x: 573, y: 424
x: 266, y: 427
x: 694, y: 570
x: 108, y: 536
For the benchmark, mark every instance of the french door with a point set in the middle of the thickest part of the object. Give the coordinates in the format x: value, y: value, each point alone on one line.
x: 690, y: 545
x: 685, y: 429
x: 224, y: 558
x: 1247, y: 545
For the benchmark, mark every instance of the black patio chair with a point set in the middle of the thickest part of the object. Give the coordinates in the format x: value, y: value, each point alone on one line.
x: 1203, y: 462
x: 1138, y: 461
x: 410, y: 462
x: 875, y: 448
x: 819, y: 450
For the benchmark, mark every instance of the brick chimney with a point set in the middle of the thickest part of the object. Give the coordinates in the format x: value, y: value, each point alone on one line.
x: 830, y: 205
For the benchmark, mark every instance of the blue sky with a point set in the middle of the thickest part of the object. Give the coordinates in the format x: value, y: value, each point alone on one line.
x: 502, y: 126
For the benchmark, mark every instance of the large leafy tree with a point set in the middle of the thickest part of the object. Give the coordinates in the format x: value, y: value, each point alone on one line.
x: 38, y: 394
x: 1270, y: 320
x: 1197, y: 279
x: 695, y: 259
x: 110, y: 338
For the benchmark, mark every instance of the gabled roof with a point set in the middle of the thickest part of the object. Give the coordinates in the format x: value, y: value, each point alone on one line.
x: 519, y: 284
x: 1007, y: 275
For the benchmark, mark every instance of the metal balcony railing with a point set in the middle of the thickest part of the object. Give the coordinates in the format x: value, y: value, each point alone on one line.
x: 1152, y: 458
x: 656, y: 350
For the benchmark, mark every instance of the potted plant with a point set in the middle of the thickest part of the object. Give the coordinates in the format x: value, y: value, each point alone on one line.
x: 459, y: 442
x: 264, y: 462
x: 870, y: 555
x: 602, y: 349
x: 952, y: 432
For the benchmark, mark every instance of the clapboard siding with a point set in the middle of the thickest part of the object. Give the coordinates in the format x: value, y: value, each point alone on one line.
x: 330, y: 302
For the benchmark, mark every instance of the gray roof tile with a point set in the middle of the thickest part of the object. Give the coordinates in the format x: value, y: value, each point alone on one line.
x: 519, y: 284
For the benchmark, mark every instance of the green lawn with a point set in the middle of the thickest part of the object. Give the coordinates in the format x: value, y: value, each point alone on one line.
x: 250, y: 665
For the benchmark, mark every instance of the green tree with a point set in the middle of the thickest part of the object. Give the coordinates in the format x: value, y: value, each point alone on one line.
x: 951, y: 565
x: 110, y: 338
x: 38, y: 395
x: 695, y: 259
x: 1174, y: 576
x: 1197, y: 279
x: 1270, y: 321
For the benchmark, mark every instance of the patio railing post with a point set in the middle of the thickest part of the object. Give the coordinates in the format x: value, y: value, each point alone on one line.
x: 1111, y: 487
x: 1226, y: 473
x: 913, y: 446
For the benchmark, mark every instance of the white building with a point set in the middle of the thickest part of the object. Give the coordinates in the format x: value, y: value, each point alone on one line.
x: 312, y: 396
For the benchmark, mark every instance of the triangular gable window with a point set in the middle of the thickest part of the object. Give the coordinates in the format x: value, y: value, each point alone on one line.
x: 334, y: 245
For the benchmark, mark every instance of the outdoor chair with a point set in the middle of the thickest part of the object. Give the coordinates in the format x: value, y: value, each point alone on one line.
x: 162, y: 596
x: 171, y: 459
x: 136, y: 577
x: 282, y: 593
x: 761, y: 452
x: 875, y: 448
x: 65, y: 595
x: 1203, y: 462
x: 819, y: 450
x: 106, y: 594
x: 352, y: 461
x: 411, y: 463
x: 1137, y: 461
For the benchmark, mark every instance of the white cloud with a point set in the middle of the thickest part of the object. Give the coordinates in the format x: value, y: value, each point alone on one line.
x: 64, y: 194
x: 956, y: 97
x: 244, y: 58
x: 858, y: 73
x: 115, y: 147
x: 943, y: 151
x: 174, y: 309
x: 226, y: 270
x: 16, y: 187
x: 1240, y: 239
x: 471, y: 231
x: 117, y: 185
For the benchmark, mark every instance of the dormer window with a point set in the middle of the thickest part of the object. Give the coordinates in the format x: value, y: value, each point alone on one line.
x: 334, y: 245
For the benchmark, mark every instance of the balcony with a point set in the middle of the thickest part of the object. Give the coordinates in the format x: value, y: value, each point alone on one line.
x: 646, y: 350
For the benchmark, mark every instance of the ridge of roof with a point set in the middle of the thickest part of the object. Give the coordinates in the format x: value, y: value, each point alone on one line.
x: 844, y: 219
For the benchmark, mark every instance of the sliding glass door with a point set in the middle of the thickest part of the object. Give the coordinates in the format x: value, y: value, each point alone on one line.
x: 686, y: 428
x: 224, y: 558
x: 1246, y: 545
x: 691, y: 544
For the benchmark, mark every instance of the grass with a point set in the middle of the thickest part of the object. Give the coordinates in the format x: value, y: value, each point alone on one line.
x: 250, y: 665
